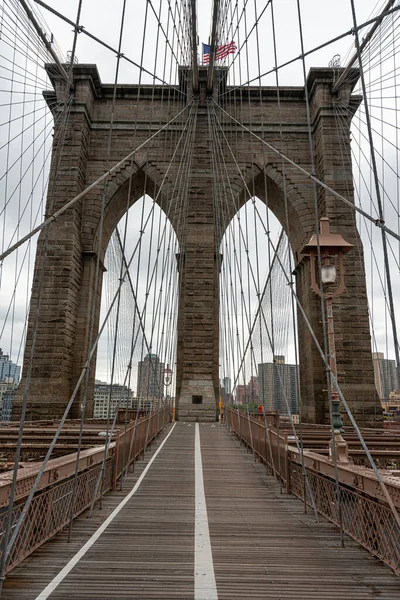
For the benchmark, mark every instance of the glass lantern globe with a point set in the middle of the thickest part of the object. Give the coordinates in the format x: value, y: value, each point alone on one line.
x: 328, y: 274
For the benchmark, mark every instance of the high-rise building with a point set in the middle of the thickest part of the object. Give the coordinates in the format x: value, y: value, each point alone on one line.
x: 253, y: 390
x: 393, y: 405
x: 277, y: 384
x: 386, y: 379
x: 7, y: 392
x: 241, y: 394
x: 150, y: 383
x: 8, y: 369
x: 114, y: 396
x: 226, y: 396
x: 227, y: 385
x: 249, y: 393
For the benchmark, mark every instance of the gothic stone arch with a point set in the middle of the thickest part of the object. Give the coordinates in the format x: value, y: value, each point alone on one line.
x: 63, y: 325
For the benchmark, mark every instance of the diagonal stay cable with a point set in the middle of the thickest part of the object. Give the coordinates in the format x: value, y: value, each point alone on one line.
x: 312, y: 177
x: 82, y: 29
x: 44, y: 39
x: 82, y: 194
x: 308, y: 52
x: 337, y: 386
x: 145, y: 342
x: 57, y: 159
x: 83, y: 372
x: 378, y: 196
x: 256, y: 211
x: 97, y: 269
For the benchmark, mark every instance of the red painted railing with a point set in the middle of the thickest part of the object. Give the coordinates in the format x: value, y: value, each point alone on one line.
x: 50, y: 508
x: 365, y: 515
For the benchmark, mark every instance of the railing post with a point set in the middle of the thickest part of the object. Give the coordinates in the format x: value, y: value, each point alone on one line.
x: 288, y: 480
x: 115, y: 462
x: 287, y: 469
x: 279, y: 455
x: 266, y: 449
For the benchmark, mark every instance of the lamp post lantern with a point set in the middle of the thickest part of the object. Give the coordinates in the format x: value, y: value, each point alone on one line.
x: 332, y: 248
x: 168, y: 372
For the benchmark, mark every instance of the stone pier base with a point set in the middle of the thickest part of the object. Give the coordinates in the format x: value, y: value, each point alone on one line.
x: 197, y: 401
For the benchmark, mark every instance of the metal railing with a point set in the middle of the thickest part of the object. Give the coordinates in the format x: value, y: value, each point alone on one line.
x: 368, y: 521
x: 263, y: 437
x: 366, y: 517
x: 50, y: 508
x: 133, y: 441
x: 49, y: 512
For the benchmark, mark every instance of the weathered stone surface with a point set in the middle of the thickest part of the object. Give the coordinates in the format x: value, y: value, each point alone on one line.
x: 70, y: 248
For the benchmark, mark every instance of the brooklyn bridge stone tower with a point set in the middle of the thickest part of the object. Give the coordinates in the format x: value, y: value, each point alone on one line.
x: 62, y: 333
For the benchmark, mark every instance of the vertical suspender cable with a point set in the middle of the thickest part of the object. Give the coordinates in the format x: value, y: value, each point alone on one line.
x: 65, y: 113
x: 194, y: 47
x: 97, y: 273
x: 304, y: 472
x: 213, y: 50
x: 319, y: 263
x: 378, y: 195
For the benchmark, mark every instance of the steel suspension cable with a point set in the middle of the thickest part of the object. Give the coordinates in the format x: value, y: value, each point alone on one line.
x: 378, y: 196
x: 312, y: 177
x: 82, y: 194
x: 97, y: 269
x: 5, y: 541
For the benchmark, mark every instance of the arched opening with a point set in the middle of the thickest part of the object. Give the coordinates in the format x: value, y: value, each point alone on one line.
x: 258, y: 329
x: 289, y: 202
x: 125, y: 189
x: 135, y: 366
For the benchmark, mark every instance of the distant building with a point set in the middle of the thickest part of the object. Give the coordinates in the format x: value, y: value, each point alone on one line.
x: 150, y: 383
x: 278, y: 387
x: 146, y: 405
x: 241, y: 394
x: 227, y: 385
x: 385, y: 374
x: 393, y: 404
x: 120, y: 396
x: 226, y: 397
x: 253, y: 390
x: 9, y: 369
x: 7, y: 392
x: 7, y: 404
x: 247, y: 393
x: 10, y: 374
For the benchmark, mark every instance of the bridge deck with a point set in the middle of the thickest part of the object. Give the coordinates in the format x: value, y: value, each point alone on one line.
x: 262, y: 543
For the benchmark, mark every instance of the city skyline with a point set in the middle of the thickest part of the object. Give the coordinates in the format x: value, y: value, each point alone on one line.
x: 275, y: 387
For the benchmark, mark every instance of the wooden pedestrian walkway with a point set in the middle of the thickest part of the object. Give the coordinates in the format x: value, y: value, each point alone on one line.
x: 214, y: 529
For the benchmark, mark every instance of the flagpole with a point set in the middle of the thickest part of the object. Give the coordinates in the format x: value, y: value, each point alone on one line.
x: 210, y: 77
x: 194, y: 49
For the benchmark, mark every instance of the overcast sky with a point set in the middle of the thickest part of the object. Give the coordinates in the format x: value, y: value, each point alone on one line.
x: 321, y: 20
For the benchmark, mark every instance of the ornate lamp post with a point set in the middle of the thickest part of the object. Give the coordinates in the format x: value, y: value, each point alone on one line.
x: 332, y: 247
x: 167, y: 382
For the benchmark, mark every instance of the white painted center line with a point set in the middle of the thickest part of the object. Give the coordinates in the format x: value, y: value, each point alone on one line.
x: 205, y: 587
x: 81, y: 553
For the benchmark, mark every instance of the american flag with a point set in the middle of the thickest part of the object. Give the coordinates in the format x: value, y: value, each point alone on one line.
x: 222, y: 51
